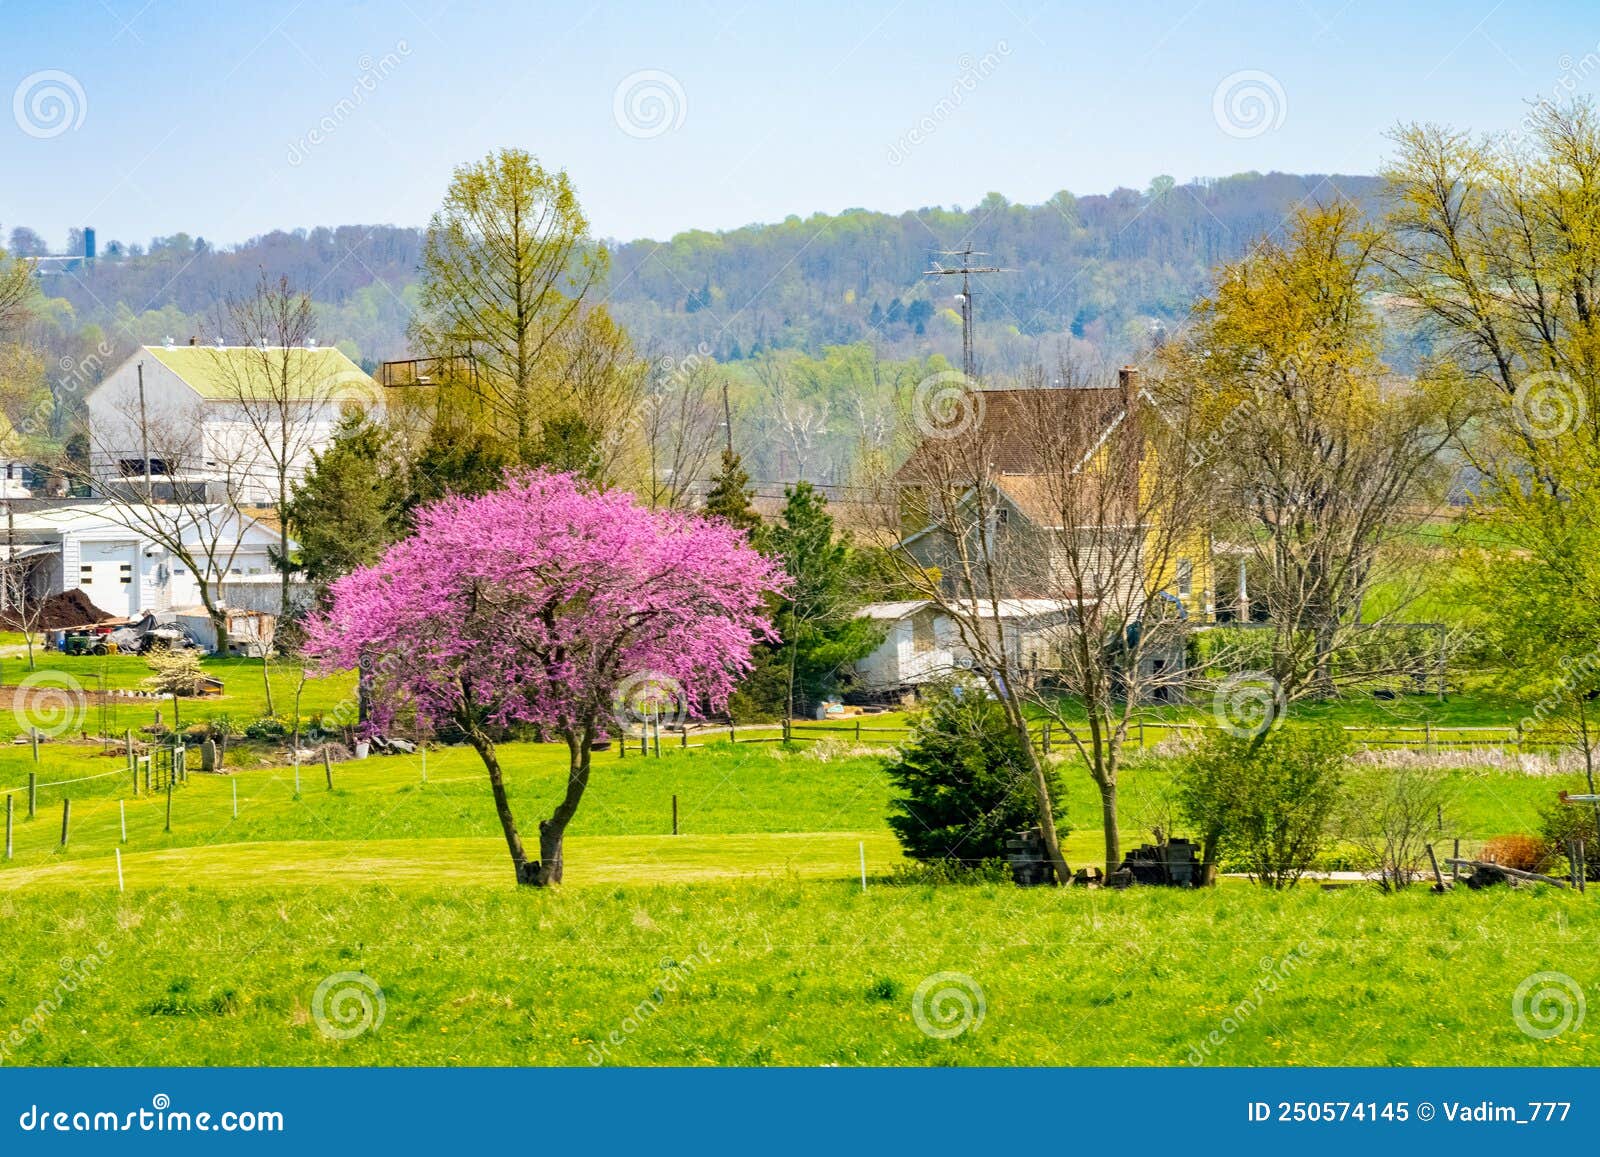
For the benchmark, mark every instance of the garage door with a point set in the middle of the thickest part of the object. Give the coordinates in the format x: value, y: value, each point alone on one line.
x: 107, y: 574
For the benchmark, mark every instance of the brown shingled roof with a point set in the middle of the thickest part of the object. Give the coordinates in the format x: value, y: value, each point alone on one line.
x: 1008, y: 416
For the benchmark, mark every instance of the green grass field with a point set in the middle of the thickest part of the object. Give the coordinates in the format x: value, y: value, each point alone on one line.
x: 746, y: 939
x: 786, y: 971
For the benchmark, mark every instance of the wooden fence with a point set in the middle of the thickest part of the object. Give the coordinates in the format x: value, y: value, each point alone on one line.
x: 1142, y: 734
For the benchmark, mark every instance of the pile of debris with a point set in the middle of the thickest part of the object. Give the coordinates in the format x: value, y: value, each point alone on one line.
x: 1029, y: 861
x: 59, y: 612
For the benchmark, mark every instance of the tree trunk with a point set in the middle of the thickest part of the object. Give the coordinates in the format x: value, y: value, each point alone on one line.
x: 1108, y: 821
x: 266, y: 682
x: 553, y: 831
x: 1047, y: 817
x: 502, y: 805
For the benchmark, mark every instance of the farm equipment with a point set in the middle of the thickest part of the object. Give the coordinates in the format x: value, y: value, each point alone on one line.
x: 148, y: 635
x: 88, y: 643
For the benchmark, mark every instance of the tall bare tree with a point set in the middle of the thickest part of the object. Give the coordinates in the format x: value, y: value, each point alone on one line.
x: 278, y: 391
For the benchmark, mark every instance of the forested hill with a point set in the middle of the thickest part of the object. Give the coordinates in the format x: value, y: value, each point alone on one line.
x: 1102, y: 268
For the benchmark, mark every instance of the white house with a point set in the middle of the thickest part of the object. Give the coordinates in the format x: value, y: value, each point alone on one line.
x: 922, y: 643
x: 108, y: 552
x: 207, y: 417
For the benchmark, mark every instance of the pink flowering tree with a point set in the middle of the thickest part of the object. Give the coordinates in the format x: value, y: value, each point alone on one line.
x: 543, y: 603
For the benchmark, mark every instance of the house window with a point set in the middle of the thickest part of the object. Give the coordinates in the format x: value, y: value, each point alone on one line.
x: 127, y: 573
x: 1185, y: 577
x: 85, y: 575
x: 922, y: 638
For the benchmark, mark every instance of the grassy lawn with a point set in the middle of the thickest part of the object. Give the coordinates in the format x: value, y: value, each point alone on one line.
x: 790, y: 972
x: 746, y: 939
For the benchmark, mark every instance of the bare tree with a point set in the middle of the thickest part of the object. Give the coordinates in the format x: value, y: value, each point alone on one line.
x: 1058, y: 531
x: 798, y: 424
x: 681, y: 420
x: 277, y: 388
x: 198, y: 520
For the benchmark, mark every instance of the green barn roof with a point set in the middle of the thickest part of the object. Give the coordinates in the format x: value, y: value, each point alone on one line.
x: 221, y: 372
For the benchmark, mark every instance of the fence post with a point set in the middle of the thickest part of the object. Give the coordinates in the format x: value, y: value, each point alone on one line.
x: 674, y: 815
x: 10, y: 823
x: 147, y: 762
x: 66, y: 819
x: 33, y: 794
x: 33, y: 736
x: 733, y: 736
x: 327, y: 766
x: 858, y: 729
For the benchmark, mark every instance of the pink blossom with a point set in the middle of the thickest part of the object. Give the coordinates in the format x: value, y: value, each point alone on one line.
x: 532, y: 603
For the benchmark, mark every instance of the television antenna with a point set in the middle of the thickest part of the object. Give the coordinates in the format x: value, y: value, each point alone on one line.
x: 965, y: 269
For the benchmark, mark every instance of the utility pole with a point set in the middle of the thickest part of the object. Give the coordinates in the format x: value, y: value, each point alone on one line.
x: 965, y: 270
x: 144, y: 434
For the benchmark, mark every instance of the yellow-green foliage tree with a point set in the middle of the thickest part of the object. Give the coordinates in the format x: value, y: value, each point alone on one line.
x: 1496, y: 251
x: 507, y: 267
x: 1317, y: 450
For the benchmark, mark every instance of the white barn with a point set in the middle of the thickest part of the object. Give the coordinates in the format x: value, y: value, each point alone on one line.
x: 922, y: 643
x: 96, y: 547
x: 195, y: 412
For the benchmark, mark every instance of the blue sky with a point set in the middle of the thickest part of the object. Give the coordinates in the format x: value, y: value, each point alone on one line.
x: 227, y: 120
